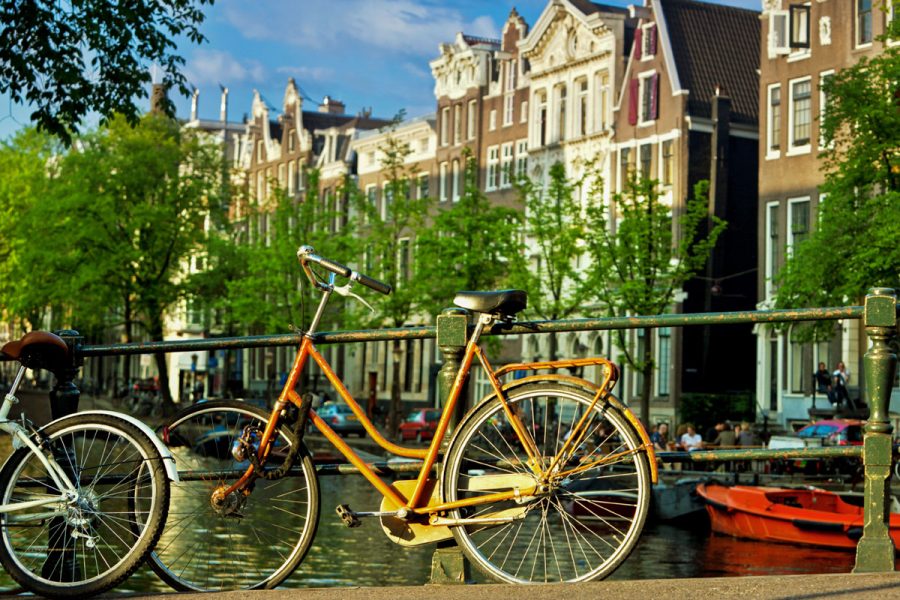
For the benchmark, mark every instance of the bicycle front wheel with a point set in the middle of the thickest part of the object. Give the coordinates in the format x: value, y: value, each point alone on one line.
x: 575, y: 521
x: 94, y: 540
x: 258, y: 541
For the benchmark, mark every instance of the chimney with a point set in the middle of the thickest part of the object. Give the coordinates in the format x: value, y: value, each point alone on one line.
x: 158, y: 99
x: 223, y: 108
x: 194, y: 98
x: 331, y: 106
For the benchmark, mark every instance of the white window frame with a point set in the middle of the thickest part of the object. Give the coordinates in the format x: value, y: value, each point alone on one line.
x: 582, y: 107
x: 541, y: 130
x: 506, y: 164
x: 806, y: 148
x: 645, y: 42
x: 889, y: 18
x: 643, y: 83
x: 455, y: 182
x: 779, y: 33
x: 291, y: 179
x: 445, y: 126
x: 601, y: 117
x: 457, y: 124
x: 663, y: 383
x: 770, y: 153
x: 661, y: 163
x: 492, y: 120
x: 521, y: 157
x: 423, y: 176
x: 386, y: 201
x: 523, y: 114
x: 823, y: 101
x: 639, y: 163
x: 508, y: 108
x: 470, y: 120
x: 442, y: 181
x: 493, y: 163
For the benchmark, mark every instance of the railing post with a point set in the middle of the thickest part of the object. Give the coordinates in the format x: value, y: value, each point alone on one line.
x: 448, y: 564
x: 875, y: 551
x: 65, y: 394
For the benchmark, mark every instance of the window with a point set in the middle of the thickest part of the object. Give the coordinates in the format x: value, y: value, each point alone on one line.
x: 799, y: 21
x: 648, y: 41
x: 773, y: 143
x: 581, y: 111
x: 664, y: 357
x: 561, y: 113
x: 800, y: 364
x: 387, y: 199
x: 445, y: 126
x: 778, y: 33
x: 372, y: 196
x: 493, y: 165
x: 506, y: 164
x: 773, y: 247
x: 442, y: 182
x: 508, y: 103
x: 798, y: 223
x: 457, y: 124
x: 601, y: 119
x: 423, y: 186
x: 824, y: 78
x: 801, y: 114
x: 523, y: 112
x: 648, y: 87
x: 510, y: 75
x: 492, y: 120
x: 863, y: 22
x: 645, y: 154
x: 521, y: 158
x: 626, y: 166
x: 259, y: 151
x: 668, y: 162
x: 470, y: 120
x: 541, y: 120
x: 456, y: 180
x: 292, y: 141
x: 291, y: 180
x: 281, y: 181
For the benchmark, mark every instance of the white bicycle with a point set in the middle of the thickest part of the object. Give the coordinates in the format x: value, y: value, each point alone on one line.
x: 82, y: 500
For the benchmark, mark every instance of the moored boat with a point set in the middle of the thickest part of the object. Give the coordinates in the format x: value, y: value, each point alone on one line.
x: 796, y: 516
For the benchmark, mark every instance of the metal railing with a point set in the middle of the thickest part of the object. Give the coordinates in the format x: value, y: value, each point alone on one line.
x: 875, y: 550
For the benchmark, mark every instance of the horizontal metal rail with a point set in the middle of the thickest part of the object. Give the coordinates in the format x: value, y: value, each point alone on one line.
x: 762, y: 454
x: 521, y: 328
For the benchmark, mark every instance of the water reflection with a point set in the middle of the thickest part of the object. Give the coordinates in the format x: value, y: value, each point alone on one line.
x: 365, y: 557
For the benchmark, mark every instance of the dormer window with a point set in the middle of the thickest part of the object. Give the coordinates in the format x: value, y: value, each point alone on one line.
x: 648, y: 41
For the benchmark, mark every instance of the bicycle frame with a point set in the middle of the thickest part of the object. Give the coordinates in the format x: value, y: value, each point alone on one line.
x: 417, y: 503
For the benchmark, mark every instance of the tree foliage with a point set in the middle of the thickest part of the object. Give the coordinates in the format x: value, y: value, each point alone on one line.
x: 641, y: 256
x: 66, y: 59
x: 854, y: 243
x: 470, y: 245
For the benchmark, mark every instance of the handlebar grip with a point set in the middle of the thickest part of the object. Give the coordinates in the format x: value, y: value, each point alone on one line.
x: 374, y: 284
x: 334, y: 267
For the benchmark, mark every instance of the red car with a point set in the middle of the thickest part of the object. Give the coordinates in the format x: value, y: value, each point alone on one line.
x: 420, y: 424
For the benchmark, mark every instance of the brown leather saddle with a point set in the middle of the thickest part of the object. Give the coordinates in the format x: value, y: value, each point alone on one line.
x: 38, y: 350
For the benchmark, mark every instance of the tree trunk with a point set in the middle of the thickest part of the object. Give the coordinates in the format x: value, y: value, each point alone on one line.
x: 647, y: 373
x: 394, y: 411
x: 156, y: 332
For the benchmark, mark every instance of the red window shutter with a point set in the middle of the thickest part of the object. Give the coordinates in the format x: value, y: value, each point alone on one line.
x: 654, y: 96
x: 637, y: 43
x: 633, y: 90
x: 651, y: 31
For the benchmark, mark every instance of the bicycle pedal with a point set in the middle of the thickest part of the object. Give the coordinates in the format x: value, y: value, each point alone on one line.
x: 348, y: 517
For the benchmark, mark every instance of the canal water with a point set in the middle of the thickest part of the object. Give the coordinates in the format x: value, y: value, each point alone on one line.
x: 365, y: 557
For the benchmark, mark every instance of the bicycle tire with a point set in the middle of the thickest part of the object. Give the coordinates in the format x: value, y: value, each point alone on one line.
x: 581, y: 527
x: 202, y: 550
x: 123, y: 494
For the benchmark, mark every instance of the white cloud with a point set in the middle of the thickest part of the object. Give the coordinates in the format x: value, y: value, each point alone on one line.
x: 213, y: 66
x: 303, y: 73
x: 413, y: 27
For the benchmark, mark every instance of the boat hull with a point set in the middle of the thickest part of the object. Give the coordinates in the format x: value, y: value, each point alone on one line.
x: 805, y: 516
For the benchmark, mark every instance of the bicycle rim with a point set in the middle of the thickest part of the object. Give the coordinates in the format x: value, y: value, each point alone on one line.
x: 260, y: 542
x: 91, y: 544
x: 580, y: 527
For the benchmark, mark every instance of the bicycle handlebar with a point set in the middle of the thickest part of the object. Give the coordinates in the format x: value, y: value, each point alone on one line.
x: 307, y: 254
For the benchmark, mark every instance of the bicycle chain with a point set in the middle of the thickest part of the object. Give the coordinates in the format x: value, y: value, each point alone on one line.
x: 298, y: 428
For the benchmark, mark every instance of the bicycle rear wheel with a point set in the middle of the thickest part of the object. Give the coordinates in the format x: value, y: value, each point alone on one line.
x: 254, y: 545
x: 589, y: 514
x: 94, y: 542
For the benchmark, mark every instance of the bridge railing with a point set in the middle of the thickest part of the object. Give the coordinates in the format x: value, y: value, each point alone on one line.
x: 875, y: 550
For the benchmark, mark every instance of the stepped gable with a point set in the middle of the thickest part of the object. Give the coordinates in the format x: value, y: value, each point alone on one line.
x: 716, y: 45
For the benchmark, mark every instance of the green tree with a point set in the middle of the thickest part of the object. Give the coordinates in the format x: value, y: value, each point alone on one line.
x: 555, y: 230
x: 67, y: 59
x: 388, y: 234
x: 125, y: 219
x: 26, y: 176
x: 643, y: 257
x: 469, y: 245
x: 854, y: 244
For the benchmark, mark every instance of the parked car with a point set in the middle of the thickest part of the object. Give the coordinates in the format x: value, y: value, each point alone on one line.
x: 420, y: 424
x: 341, y: 419
x: 835, y: 432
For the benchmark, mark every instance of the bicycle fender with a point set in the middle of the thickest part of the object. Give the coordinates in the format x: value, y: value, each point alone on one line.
x: 593, y: 388
x: 167, y: 458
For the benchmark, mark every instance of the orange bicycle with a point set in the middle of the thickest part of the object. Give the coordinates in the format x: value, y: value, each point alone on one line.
x: 546, y: 479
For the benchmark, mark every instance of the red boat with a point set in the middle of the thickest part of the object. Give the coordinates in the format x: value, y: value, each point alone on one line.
x: 802, y: 516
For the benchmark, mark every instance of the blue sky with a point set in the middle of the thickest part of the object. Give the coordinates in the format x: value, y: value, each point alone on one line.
x: 366, y: 53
